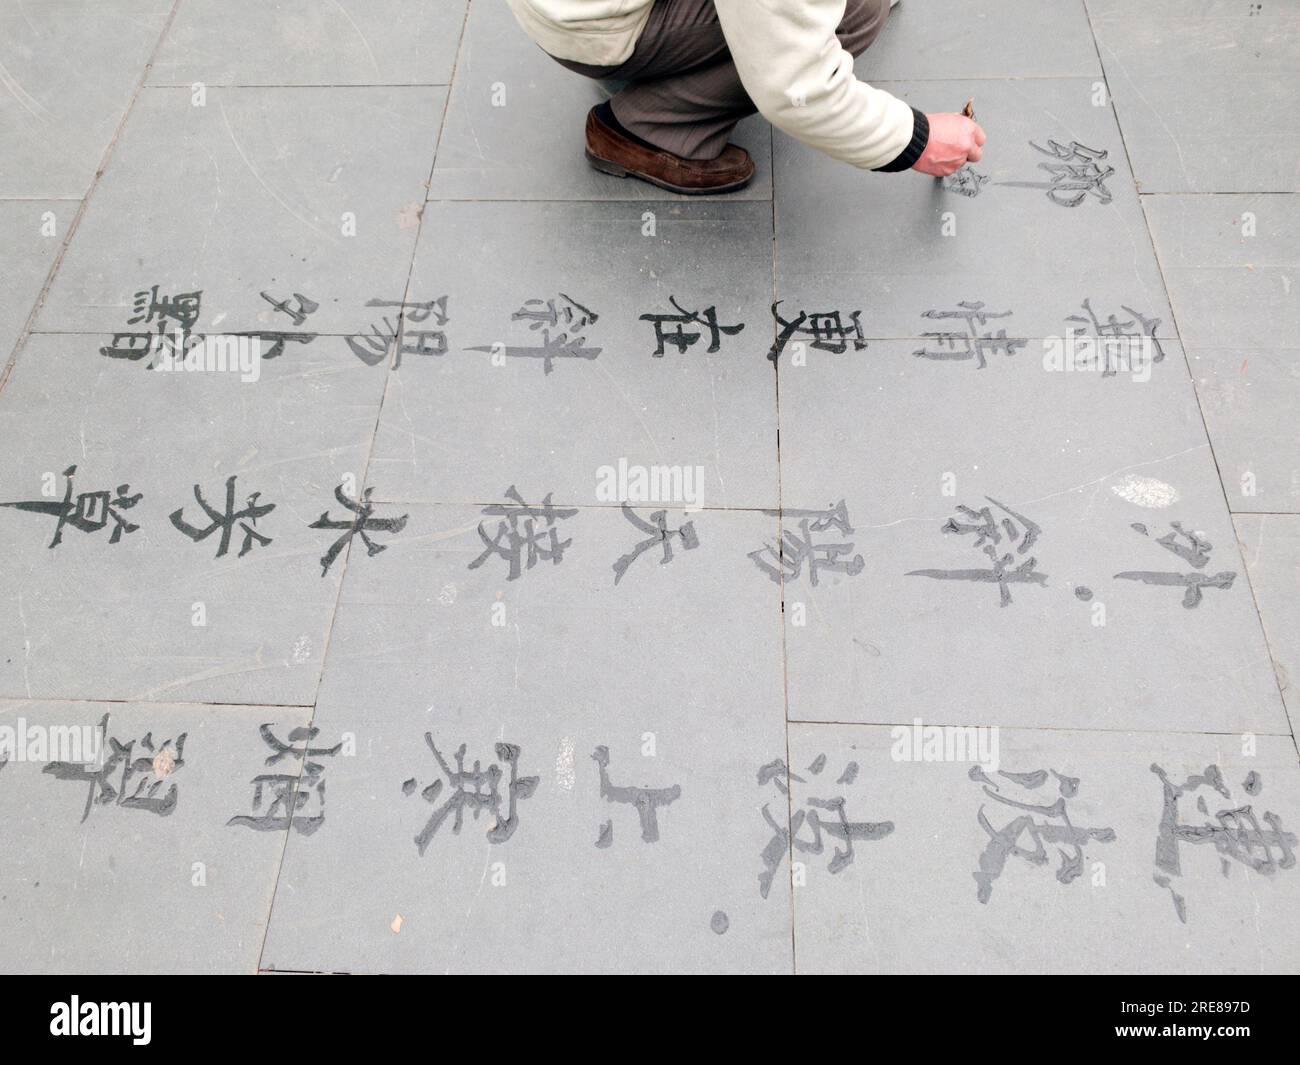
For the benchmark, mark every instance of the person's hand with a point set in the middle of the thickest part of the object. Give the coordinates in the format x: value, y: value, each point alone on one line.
x: 955, y: 140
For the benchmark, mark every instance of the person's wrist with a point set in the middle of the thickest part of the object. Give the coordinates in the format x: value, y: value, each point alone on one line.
x: 914, y: 148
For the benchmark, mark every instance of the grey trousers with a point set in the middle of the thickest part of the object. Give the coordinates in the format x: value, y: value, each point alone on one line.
x: 683, y: 93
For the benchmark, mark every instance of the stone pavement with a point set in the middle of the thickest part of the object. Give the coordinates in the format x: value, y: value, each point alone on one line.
x: 858, y: 573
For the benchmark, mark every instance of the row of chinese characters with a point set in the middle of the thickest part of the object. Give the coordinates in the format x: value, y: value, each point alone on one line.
x: 1016, y: 817
x: 523, y: 534
x: 557, y: 328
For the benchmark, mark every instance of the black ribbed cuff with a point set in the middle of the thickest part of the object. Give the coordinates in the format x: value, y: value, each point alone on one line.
x: 910, y: 154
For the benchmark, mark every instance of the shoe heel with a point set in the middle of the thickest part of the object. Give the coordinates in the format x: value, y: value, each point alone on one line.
x: 605, y: 166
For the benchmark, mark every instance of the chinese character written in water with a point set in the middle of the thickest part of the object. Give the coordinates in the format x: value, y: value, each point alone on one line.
x: 152, y: 308
x: 679, y: 338
x: 157, y: 311
x: 1121, y: 339
x: 989, y: 533
x: 525, y: 535
x: 965, y: 182
x: 824, y: 330
x: 648, y: 802
x: 813, y: 814
x: 88, y: 513
x: 657, y: 534
x: 361, y: 523
x: 799, y: 546
x: 400, y: 338
x: 290, y: 793
x: 1075, y: 173
x: 475, y: 790
x: 970, y: 343
x: 297, y: 308
x: 553, y: 312
x: 145, y: 782
x: 565, y: 312
x: 246, y: 518
x: 1054, y: 828
x: 1235, y: 832
x: 1193, y: 549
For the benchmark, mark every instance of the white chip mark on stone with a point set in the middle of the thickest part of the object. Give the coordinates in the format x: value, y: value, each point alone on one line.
x: 301, y: 650
x: 1146, y: 492
x: 564, y: 771
x: 164, y: 762
x: 448, y: 594
x: 409, y: 216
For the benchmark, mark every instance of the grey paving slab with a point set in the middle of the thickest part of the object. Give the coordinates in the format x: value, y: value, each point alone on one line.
x: 1229, y: 263
x: 1249, y: 397
x: 1230, y: 9
x: 128, y: 863
x: 900, y: 246
x: 951, y: 39
x: 311, y: 42
x: 675, y: 672
x: 1187, y: 85
x: 1079, y: 892
x: 1146, y: 43
x: 160, y: 614
x: 1083, y: 477
x: 70, y: 68
x: 315, y: 191
x: 514, y: 127
x: 460, y: 426
x: 1270, y: 545
x: 31, y: 232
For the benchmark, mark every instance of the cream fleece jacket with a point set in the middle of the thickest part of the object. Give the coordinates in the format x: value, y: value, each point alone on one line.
x: 789, y: 61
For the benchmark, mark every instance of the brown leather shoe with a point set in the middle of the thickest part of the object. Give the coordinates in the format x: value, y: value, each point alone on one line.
x: 612, y: 153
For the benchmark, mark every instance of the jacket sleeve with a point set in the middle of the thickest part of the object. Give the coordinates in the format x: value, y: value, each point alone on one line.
x: 802, y: 81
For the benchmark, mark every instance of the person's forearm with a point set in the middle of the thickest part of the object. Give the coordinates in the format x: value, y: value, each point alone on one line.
x: 802, y: 81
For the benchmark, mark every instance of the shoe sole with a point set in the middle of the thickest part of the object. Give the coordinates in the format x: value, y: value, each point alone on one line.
x: 617, y: 170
